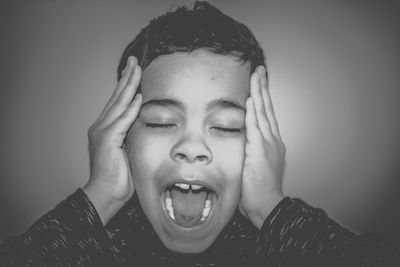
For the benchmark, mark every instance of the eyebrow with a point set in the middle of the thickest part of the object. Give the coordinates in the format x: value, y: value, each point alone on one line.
x: 165, y: 102
x: 224, y: 103
x: 216, y: 103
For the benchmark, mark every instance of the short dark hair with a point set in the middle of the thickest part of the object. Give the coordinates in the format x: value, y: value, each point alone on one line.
x: 186, y: 30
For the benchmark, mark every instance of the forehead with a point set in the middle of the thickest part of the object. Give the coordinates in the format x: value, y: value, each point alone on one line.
x: 196, y: 78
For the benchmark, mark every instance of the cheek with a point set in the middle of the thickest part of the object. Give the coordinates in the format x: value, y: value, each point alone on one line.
x: 146, y: 155
x: 229, y: 156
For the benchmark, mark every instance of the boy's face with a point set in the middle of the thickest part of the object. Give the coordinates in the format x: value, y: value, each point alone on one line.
x: 186, y: 148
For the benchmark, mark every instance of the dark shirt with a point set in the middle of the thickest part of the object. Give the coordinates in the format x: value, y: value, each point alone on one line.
x: 294, y: 234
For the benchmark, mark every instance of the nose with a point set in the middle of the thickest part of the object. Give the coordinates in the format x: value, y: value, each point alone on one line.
x: 191, y: 149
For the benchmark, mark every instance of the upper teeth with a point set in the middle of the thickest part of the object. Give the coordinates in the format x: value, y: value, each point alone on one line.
x: 182, y: 186
x: 196, y: 187
x: 186, y: 186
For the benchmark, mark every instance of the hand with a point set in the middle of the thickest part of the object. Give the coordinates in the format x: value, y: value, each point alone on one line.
x: 110, y: 184
x: 264, y: 154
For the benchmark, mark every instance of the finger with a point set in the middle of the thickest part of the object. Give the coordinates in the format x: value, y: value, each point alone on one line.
x: 126, y: 73
x: 253, y: 134
x: 262, y: 119
x: 122, y: 124
x: 125, y: 97
x: 268, y: 102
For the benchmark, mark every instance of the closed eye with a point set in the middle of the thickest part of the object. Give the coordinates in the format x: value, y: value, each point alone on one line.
x: 227, y: 130
x: 170, y: 125
x: 159, y: 125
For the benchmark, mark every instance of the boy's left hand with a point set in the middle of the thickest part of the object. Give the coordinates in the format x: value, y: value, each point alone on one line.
x: 264, y: 154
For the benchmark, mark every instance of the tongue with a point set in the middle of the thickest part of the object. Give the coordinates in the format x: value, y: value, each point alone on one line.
x: 188, y: 206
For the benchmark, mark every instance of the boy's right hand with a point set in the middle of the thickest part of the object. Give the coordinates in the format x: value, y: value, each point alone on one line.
x: 110, y: 184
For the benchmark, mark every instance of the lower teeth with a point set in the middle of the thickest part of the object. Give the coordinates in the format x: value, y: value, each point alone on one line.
x: 206, y: 210
x: 168, y: 205
x: 170, y: 209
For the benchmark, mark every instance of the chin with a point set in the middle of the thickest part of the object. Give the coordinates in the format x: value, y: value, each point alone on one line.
x: 194, y: 247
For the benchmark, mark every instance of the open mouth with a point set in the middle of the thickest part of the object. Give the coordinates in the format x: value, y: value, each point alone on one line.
x: 188, y: 204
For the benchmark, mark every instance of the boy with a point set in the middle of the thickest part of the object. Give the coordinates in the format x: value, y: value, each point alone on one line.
x: 187, y: 164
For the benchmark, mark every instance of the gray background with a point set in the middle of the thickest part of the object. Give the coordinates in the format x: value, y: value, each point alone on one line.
x: 334, y: 76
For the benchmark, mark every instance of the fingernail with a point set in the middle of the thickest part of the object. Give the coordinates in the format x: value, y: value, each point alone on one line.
x: 259, y: 77
x: 263, y: 71
x: 130, y: 60
x: 133, y: 60
x: 259, y: 70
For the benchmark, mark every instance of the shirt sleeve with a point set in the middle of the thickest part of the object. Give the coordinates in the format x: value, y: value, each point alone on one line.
x: 295, y: 234
x: 71, y: 234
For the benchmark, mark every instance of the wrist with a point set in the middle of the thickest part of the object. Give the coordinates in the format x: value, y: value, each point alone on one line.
x: 259, y: 216
x: 105, y: 205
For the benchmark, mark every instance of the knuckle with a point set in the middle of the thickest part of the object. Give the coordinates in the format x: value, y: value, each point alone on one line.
x: 103, y: 134
x: 127, y: 112
x: 283, y: 149
x: 90, y: 131
x: 97, y: 134
x: 126, y: 115
x: 99, y: 139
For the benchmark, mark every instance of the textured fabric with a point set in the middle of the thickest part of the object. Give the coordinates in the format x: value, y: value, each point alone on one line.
x: 294, y: 234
